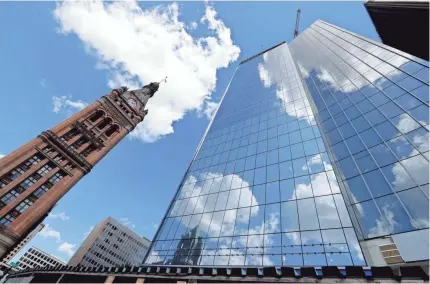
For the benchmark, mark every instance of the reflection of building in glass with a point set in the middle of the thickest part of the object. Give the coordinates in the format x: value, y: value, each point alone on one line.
x: 189, y: 249
x: 316, y: 156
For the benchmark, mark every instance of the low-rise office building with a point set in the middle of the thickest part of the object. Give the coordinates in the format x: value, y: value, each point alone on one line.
x: 111, y: 243
x: 35, y: 257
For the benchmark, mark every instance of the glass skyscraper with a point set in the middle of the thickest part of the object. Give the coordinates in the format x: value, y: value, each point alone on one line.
x: 317, y: 155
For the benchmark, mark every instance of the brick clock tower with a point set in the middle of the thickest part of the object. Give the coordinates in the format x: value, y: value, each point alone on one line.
x: 34, y: 177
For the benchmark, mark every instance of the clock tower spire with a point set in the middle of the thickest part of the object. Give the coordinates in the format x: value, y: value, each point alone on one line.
x: 34, y: 177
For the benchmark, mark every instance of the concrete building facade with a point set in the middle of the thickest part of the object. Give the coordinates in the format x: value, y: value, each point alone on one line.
x: 35, y: 177
x: 35, y: 258
x: 111, y: 243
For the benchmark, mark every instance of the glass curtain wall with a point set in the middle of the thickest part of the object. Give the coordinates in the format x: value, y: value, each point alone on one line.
x: 371, y: 102
x: 261, y: 190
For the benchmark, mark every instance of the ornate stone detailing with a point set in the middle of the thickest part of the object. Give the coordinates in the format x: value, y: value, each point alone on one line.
x: 78, y: 159
x: 90, y: 136
x: 139, y: 112
x: 120, y: 90
x: 122, y: 119
x: 145, y: 93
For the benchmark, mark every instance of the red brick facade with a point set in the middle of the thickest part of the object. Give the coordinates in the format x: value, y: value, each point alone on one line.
x: 35, y: 176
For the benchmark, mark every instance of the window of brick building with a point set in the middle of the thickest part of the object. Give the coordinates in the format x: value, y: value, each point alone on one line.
x: 56, y: 178
x: 10, y: 196
x: 24, y: 205
x: 7, y: 220
x: 41, y: 190
x: 45, y: 169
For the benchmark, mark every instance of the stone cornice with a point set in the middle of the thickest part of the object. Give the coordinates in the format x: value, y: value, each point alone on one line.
x: 77, y: 158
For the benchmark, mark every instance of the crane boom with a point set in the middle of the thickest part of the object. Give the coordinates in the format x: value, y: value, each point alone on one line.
x: 296, y: 30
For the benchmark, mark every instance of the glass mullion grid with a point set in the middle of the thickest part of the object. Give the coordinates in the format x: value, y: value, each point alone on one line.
x: 332, y: 194
x: 377, y: 44
x: 261, y: 100
x: 407, y: 111
x: 261, y: 204
x: 366, y: 148
x: 373, y: 126
x: 372, y: 68
x: 242, y: 93
x: 252, y: 107
x: 282, y: 114
x: 312, y: 139
x: 390, y: 100
x: 281, y: 232
x: 316, y: 117
x: 364, y: 180
x: 327, y: 109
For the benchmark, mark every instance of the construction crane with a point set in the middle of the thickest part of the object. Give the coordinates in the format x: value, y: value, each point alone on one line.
x: 296, y: 30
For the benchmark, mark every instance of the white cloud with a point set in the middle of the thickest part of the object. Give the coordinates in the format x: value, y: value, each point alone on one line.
x: 264, y: 73
x: 43, y: 82
x: 142, y: 45
x: 88, y: 232
x: 1, y: 156
x: 49, y: 232
x: 61, y: 215
x: 67, y: 248
x: 383, y: 225
x: 193, y: 26
x: 126, y: 222
x: 293, y: 96
x: 210, y: 109
x: 416, y: 169
x: 406, y: 123
x: 65, y: 104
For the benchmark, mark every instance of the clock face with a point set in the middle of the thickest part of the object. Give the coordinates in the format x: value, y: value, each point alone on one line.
x: 132, y: 102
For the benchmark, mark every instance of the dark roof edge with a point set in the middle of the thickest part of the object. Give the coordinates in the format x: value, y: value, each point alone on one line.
x: 398, y: 4
x: 252, y: 57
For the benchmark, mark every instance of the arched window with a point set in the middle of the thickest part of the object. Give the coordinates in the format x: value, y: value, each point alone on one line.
x: 104, y: 123
x: 97, y: 115
x: 112, y: 130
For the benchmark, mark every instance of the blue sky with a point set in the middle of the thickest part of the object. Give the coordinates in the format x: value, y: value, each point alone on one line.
x: 57, y: 57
